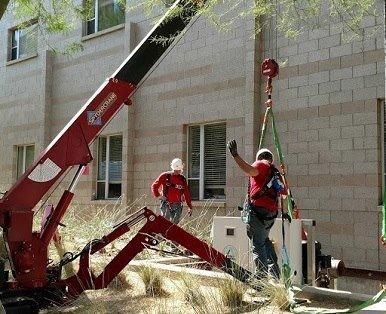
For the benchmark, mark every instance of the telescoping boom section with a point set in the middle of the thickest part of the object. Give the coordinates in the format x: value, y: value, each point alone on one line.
x: 27, y: 250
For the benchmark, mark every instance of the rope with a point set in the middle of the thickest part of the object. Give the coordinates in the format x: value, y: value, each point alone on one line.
x: 264, y: 128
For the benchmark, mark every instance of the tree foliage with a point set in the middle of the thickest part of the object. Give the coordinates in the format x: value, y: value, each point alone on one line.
x: 291, y: 17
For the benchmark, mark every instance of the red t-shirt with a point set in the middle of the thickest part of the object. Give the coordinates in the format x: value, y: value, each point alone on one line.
x: 258, y: 182
x: 174, y: 195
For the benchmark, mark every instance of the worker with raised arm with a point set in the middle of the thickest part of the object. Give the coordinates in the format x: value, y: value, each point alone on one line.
x: 175, y: 191
x: 262, y: 203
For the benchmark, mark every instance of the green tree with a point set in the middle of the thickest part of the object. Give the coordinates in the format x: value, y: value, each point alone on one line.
x: 291, y: 17
x: 3, y: 7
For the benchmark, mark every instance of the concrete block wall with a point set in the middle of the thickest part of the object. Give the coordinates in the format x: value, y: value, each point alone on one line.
x: 23, y: 105
x: 328, y: 105
x: 207, y: 77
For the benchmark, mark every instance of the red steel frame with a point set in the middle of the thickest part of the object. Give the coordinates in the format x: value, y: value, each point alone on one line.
x: 85, y: 278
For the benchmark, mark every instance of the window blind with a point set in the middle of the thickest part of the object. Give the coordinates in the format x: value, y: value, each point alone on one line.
x: 215, y: 155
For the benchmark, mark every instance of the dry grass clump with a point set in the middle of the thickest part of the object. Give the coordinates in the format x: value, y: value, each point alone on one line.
x: 191, y: 291
x: 85, y: 223
x: 202, y: 299
x: 200, y: 224
x: 232, y: 293
x: 152, y: 280
x: 120, y: 283
x: 275, y: 292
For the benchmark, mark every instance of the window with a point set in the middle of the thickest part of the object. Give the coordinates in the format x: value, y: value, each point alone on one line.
x: 207, y: 161
x: 109, y: 174
x: 23, y: 42
x: 25, y: 156
x: 105, y: 14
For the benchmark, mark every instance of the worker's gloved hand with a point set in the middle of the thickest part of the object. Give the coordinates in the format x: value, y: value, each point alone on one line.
x: 232, y: 146
x: 286, y: 216
x: 162, y: 198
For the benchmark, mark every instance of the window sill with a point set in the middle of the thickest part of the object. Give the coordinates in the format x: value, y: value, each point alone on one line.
x: 210, y: 203
x: 21, y: 59
x: 105, y: 31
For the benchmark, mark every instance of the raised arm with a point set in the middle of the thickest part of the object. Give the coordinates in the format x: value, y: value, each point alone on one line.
x: 243, y: 165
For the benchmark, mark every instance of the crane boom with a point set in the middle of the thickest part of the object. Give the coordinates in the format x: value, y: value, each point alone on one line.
x: 27, y: 250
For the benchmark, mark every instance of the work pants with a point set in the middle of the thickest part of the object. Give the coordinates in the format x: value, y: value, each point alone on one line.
x: 171, y: 211
x: 264, y: 254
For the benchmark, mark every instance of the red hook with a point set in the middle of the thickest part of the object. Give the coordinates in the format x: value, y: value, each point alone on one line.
x: 269, y: 68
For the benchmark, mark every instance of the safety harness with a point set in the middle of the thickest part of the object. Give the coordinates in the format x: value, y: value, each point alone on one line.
x: 169, y: 184
x: 266, y: 190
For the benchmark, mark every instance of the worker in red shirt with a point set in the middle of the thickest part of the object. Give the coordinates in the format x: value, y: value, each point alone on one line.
x: 175, y: 191
x: 262, y: 204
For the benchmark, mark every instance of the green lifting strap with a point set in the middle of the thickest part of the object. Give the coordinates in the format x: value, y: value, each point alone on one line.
x: 281, y: 159
x: 269, y: 114
x: 264, y: 128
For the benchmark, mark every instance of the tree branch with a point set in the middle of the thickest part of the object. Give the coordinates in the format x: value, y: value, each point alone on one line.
x: 3, y: 7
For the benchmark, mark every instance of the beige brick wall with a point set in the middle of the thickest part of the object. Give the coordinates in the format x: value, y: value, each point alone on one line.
x: 205, y: 78
x: 328, y: 107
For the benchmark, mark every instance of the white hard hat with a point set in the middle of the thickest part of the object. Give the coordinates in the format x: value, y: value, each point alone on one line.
x: 177, y: 164
x: 262, y: 151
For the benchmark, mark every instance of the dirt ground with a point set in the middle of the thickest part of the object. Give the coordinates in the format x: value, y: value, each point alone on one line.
x: 132, y: 299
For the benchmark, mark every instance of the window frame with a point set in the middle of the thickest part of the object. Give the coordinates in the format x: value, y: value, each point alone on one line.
x: 15, y: 31
x: 96, y: 21
x: 95, y: 18
x: 24, y: 159
x: 201, y: 177
x: 106, y: 191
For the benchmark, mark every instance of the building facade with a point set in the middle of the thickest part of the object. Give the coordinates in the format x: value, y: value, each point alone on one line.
x: 329, y: 107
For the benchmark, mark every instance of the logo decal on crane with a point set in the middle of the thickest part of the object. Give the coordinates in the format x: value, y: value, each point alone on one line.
x: 45, y: 172
x: 94, y: 117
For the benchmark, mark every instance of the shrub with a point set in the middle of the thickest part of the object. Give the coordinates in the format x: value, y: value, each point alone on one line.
x: 152, y: 281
